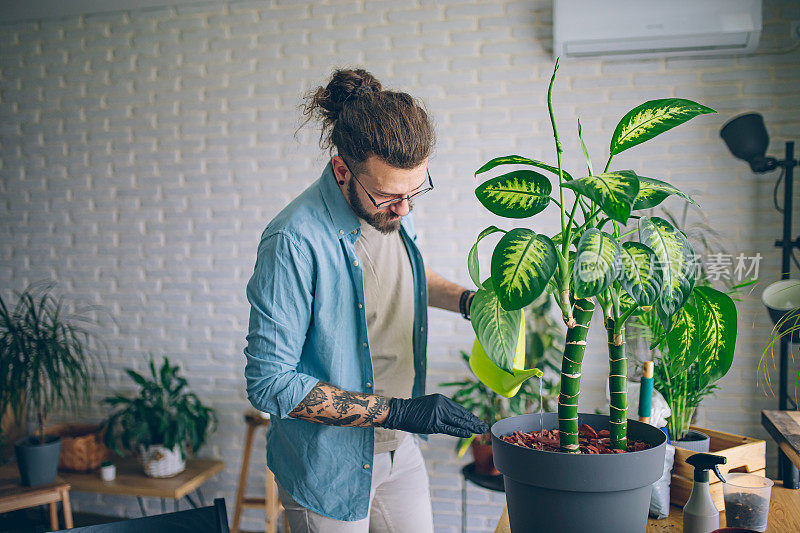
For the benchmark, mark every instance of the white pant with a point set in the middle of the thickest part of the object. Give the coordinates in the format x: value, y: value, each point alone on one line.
x: 399, y: 498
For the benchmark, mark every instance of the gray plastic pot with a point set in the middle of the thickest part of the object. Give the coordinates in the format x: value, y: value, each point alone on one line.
x: 37, y: 463
x: 696, y: 442
x: 558, y: 492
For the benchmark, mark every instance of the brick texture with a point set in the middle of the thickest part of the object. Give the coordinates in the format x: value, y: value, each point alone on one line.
x: 142, y: 153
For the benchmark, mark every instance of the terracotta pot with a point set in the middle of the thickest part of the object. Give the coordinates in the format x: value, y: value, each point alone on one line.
x: 482, y: 453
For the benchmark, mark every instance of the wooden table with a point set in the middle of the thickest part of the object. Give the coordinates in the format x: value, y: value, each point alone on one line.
x: 784, y: 427
x: 131, y: 481
x: 784, y: 515
x: 14, y: 496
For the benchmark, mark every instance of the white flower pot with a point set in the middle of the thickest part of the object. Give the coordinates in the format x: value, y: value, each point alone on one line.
x: 108, y: 473
x: 158, y: 461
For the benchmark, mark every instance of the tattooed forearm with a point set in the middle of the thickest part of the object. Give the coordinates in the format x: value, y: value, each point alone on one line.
x: 327, y: 404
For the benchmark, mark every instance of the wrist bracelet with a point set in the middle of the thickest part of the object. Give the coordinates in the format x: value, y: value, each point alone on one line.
x: 464, y: 302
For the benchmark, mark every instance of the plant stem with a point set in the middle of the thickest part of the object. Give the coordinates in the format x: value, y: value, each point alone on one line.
x: 559, y: 149
x: 617, y: 383
x: 574, y: 348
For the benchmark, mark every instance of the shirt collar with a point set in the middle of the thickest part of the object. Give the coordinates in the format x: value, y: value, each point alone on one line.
x: 344, y: 219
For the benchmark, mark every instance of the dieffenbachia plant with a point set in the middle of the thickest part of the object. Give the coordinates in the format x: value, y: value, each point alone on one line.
x: 591, y: 261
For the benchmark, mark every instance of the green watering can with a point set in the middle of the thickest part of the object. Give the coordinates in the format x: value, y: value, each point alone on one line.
x: 493, y: 376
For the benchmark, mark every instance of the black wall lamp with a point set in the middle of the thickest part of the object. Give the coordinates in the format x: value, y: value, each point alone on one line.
x: 747, y: 139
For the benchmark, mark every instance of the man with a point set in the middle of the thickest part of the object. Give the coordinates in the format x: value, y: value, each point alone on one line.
x: 336, y: 347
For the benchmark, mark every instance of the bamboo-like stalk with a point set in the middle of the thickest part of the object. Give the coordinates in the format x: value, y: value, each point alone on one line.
x: 574, y: 348
x: 617, y: 384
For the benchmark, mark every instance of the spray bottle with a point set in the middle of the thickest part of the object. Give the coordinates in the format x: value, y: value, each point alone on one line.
x: 700, y: 514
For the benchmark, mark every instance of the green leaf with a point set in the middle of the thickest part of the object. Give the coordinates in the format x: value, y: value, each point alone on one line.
x: 472, y: 257
x: 518, y: 194
x: 677, y: 261
x: 644, y: 122
x: 519, y: 160
x: 497, y: 330
x: 613, y: 192
x: 652, y: 192
x: 522, y: 264
x: 706, y: 332
x: 642, y: 276
x: 596, y: 264
x: 585, y: 151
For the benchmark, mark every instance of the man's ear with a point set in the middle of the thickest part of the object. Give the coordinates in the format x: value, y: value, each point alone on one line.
x: 338, y: 166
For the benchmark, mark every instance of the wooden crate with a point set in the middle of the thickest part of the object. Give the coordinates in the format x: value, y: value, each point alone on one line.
x: 744, y: 454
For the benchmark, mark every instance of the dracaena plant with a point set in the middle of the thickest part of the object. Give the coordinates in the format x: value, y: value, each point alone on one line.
x: 593, y: 261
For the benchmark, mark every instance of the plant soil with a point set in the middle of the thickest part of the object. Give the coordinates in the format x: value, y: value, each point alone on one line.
x: 589, y: 440
x: 746, y: 510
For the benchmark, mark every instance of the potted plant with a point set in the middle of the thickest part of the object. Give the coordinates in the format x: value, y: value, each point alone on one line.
x: 541, y: 347
x: 46, y: 364
x: 685, y: 374
x: 162, y: 424
x: 590, y: 263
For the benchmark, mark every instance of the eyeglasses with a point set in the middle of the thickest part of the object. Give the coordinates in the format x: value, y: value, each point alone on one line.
x: 387, y: 203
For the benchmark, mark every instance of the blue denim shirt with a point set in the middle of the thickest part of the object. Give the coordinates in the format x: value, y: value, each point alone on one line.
x: 308, y: 323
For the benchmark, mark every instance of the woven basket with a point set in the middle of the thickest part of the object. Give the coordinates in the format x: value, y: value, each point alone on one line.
x: 82, y: 446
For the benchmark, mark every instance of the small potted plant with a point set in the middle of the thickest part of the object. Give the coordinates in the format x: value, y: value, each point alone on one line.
x: 162, y: 424
x: 46, y: 364
x: 108, y: 471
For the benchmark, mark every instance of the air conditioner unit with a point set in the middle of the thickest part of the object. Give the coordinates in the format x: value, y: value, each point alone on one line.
x: 651, y: 28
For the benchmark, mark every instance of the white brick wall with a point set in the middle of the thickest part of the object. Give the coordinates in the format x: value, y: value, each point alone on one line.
x: 142, y: 153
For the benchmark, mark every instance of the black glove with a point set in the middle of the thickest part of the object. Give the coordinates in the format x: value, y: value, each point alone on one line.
x: 433, y: 413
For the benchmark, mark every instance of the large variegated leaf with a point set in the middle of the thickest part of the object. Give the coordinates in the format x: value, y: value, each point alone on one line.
x: 706, y: 332
x: 641, y: 276
x: 518, y: 194
x: 497, y: 329
x: 652, y: 192
x: 614, y: 192
x: 596, y: 264
x: 519, y: 160
x: 718, y: 321
x: 472, y: 257
x: 677, y: 260
x: 522, y: 264
x: 644, y: 122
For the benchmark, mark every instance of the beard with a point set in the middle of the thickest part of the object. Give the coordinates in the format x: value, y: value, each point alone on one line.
x: 384, y: 221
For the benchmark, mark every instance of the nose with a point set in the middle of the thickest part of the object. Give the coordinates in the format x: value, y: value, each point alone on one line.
x: 400, y: 208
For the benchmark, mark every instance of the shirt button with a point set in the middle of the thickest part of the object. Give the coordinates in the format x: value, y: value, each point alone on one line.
x: 355, y: 263
x: 341, y: 232
x: 364, y: 345
x: 366, y: 466
x: 360, y: 305
x: 368, y: 384
x: 354, y: 232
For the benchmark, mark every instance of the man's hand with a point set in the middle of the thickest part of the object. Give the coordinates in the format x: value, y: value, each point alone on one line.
x: 433, y: 413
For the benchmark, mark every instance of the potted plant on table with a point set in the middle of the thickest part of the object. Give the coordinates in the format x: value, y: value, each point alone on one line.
x: 590, y: 263
x: 46, y: 364
x: 162, y: 424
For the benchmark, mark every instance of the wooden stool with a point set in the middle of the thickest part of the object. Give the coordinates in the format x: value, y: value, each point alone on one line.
x: 271, y: 503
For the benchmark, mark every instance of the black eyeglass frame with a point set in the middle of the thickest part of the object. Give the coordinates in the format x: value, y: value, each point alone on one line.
x: 387, y: 203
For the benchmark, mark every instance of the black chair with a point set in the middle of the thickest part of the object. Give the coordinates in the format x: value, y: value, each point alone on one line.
x: 211, y: 519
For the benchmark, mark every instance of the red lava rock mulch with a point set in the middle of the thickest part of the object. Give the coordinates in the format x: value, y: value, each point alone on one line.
x: 589, y: 440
